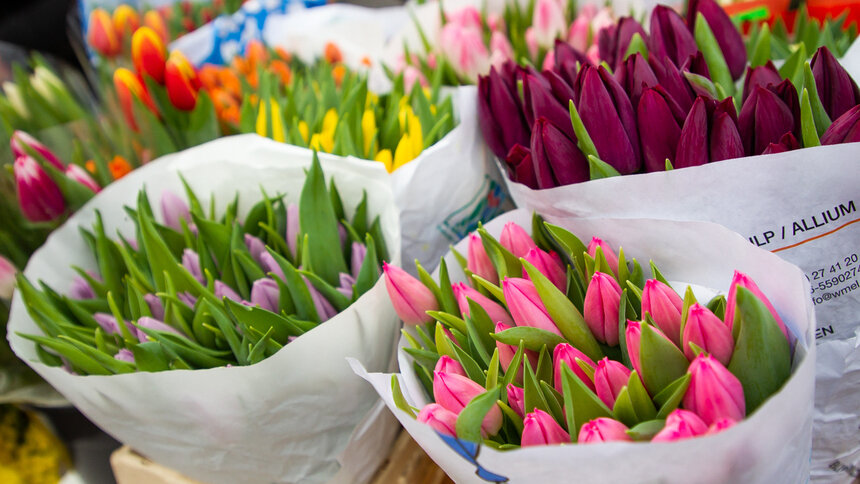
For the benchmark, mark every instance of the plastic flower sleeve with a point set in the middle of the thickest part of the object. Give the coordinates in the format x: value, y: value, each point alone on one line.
x: 772, y: 444
x: 288, y: 418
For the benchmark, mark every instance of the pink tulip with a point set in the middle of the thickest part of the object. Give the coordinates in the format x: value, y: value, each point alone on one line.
x: 681, y: 424
x: 499, y: 43
x: 174, y: 209
x: 549, y: 60
x: 479, y: 262
x: 454, y: 392
x: 531, y: 42
x: 467, y: 17
x: 21, y: 139
x: 411, y: 75
x: 539, y: 428
x: 38, y: 196
x: 266, y: 294
x: 568, y: 355
x: 495, y: 22
x: 665, y: 306
x: 525, y: 305
x: 411, y: 298
x: 516, y: 240
x: 593, y: 55
x: 609, y: 254
x: 720, y: 425
x: 516, y: 399
x: 708, y: 332
x: 632, y: 336
x: 441, y: 419
x: 744, y: 281
x: 714, y: 392
x: 548, y: 22
x: 7, y: 278
x: 446, y: 364
x: 81, y: 176
x: 601, y: 306
x: 495, y: 311
x: 507, y: 352
x: 603, y: 430
x: 610, y: 377
x: 577, y: 36
x: 465, y: 49
x: 550, y: 265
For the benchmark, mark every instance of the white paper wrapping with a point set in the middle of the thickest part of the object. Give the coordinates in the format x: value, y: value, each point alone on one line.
x: 286, y: 419
x: 802, y: 205
x: 772, y: 445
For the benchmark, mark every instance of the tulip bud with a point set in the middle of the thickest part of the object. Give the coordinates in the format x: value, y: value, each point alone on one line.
x: 153, y: 324
x: 501, y: 49
x: 844, y: 129
x: 81, y: 176
x: 521, y: 166
x: 496, y: 312
x: 608, y: 253
x: 786, y: 143
x: 836, y: 89
x: 728, y: 36
x: 539, y: 428
x: 541, y: 101
x: 7, y: 278
x: 610, y: 377
x: 764, y: 76
x: 525, y: 305
x: 714, y: 393
x: 292, y: 234
x: 577, y: 35
x: 346, y: 282
x: 507, y: 352
x: 454, y: 392
x: 223, y: 290
x: 128, y: 86
x: 556, y: 158
x: 603, y: 430
x: 174, y: 209
x: 548, y: 22
x: 38, y: 196
x: 266, y: 294
x: 708, y: 332
x: 764, y: 118
x: 411, y: 298
x: 614, y: 40
x: 720, y: 425
x: 681, y: 424
x: 670, y: 78
x: 670, y: 35
x: 601, y: 306
x: 660, y: 120
x: 148, y: 54
x: 442, y: 420
x: 710, y: 133
x: 446, y: 364
x: 358, y: 253
x: 478, y: 260
x: 549, y: 264
x: 270, y: 265
x: 181, y: 81
x: 155, y: 306
x: 323, y: 307
x: 107, y: 323
x: 665, y: 306
x: 635, y: 75
x: 155, y: 21
x: 500, y: 114
x: 21, y: 139
x: 81, y: 289
x: 516, y: 399
x: 516, y: 240
x: 531, y: 42
x: 742, y: 280
x: 255, y: 246
x: 187, y: 299
x: 125, y: 20
x: 568, y: 355
x: 465, y: 49
x: 101, y: 34
x: 633, y: 337
x: 124, y: 355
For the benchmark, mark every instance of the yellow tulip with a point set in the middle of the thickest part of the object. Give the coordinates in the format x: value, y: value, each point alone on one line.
x: 261, y: 120
x: 384, y: 157
x: 403, y: 153
x: 304, y: 130
x: 322, y: 142
x: 368, y: 130
x: 278, y: 133
x: 329, y: 123
x: 371, y: 100
x: 415, y: 135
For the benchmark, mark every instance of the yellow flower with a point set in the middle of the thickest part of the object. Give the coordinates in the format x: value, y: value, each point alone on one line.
x: 404, y: 153
x: 415, y: 135
x: 261, y: 120
x: 278, y: 133
x: 384, y: 157
x: 329, y: 123
x: 304, y: 130
x: 368, y: 130
x: 322, y: 142
x: 371, y: 100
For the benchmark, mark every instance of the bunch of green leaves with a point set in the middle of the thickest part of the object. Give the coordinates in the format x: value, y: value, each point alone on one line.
x: 213, y: 331
x: 806, y: 36
x: 643, y: 404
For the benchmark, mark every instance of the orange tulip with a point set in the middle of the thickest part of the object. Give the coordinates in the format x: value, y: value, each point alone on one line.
x: 181, y: 81
x: 255, y: 54
x: 119, y: 167
x: 125, y: 20
x: 283, y: 54
x: 129, y: 86
x: 208, y: 74
x: 155, y: 21
x: 366, y: 61
x: 230, y: 82
x: 282, y: 70
x: 148, y: 53
x: 338, y: 72
x: 332, y: 53
x: 90, y: 165
x: 101, y: 34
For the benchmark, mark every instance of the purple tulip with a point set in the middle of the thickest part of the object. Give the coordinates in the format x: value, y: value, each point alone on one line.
x: 187, y: 299
x: 845, y: 129
x: 670, y: 36
x: 107, y: 322
x: 174, y: 209
x: 223, y: 290
x: 266, y: 294
x: 695, y: 64
x: 556, y: 158
x: 500, y: 115
x: 764, y: 118
x: 359, y: 251
x: 323, y: 307
x: 81, y: 289
x: 837, y: 91
x: 660, y: 120
x: 540, y: 102
x: 787, y: 143
x: 608, y: 115
x: 292, y: 234
x: 21, y: 139
x: 613, y: 41
x: 763, y: 76
x: 191, y: 263
x: 345, y: 284
x: 728, y: 36
x: 521, y: 167
x: 670, y: 78
x: 255, y: 246
x: 566, y: 59
x: 635, y: 75
x: 39, y: 196
x: 270, y: 265
x: 156, y: 307
x: 710, y: 133
x: 124, y: 355
x: 153, y: 324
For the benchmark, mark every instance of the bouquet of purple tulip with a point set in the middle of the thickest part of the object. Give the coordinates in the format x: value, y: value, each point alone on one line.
x: 660, y: 100
x: 553, y: 341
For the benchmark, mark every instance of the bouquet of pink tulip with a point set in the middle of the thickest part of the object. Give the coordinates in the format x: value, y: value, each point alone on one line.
x: 552, y: 341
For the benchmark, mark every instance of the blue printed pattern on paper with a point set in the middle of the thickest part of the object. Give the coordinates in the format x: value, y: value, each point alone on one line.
x: 470, y: 451
x: 488, y: 202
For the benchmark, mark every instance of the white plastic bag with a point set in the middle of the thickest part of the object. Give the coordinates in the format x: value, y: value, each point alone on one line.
x: 771, y: 445
x: 804, y: 206
x: 288, y: 418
